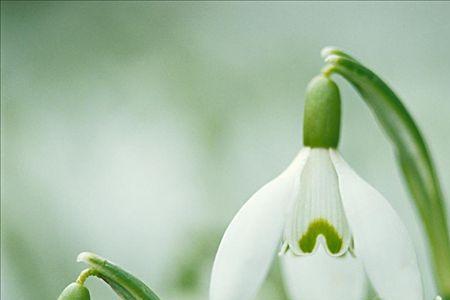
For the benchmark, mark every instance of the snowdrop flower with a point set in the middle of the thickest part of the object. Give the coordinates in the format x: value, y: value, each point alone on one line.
x: 329, y: 226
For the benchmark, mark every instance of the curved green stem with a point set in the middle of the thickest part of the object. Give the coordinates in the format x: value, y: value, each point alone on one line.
x: 84, y: 275
x: 412, y: 154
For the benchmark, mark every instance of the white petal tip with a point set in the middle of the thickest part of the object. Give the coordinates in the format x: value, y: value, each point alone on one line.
x: 328, y: 51
x: 84, y: 256
x: 332, y: 58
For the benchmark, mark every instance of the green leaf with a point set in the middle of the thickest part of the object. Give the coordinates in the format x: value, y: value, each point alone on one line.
x: 411, y: 151
x: 123, y: 293
x: 127, y: 286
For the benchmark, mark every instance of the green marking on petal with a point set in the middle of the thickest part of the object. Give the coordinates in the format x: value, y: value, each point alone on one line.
x: 321, y: 227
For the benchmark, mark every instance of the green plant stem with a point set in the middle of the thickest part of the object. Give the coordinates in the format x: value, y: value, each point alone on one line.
x: 85, y: 274
x: 412, y: 154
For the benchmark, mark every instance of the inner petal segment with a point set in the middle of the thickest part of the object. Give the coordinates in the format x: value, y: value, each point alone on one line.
x: 317, y: 217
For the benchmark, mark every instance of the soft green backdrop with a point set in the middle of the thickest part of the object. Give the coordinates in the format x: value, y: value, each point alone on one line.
x: 136, y: 130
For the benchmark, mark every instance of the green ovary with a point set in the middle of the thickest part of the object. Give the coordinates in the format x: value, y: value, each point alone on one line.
x: 320, y: 227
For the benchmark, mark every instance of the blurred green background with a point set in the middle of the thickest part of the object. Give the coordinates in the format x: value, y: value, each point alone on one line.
x: 136, y: 130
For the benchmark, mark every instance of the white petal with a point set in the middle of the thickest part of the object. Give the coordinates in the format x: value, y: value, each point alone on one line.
x: 251, y: 240
x: 381, y: 239
x: 318, y: 203
x: 323, y: 277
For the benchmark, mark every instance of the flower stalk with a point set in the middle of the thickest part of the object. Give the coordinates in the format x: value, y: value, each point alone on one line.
x: 84, y: 275
x: 412, y: 154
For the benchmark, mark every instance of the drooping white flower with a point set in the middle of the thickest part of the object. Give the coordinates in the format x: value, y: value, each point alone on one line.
x: 328, y: 225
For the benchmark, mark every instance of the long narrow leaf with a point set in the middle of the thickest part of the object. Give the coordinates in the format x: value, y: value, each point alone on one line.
x: 120, y: 291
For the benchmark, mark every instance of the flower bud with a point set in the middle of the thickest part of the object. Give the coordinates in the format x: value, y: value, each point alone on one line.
x: 75, y: 291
